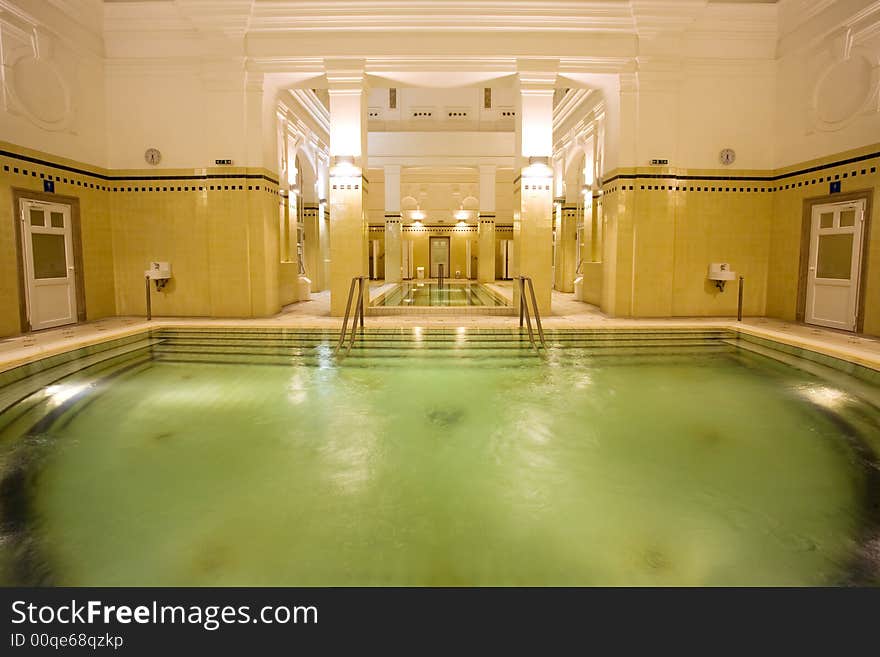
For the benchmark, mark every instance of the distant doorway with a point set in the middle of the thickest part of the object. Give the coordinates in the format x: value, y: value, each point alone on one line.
x: 439, y: 255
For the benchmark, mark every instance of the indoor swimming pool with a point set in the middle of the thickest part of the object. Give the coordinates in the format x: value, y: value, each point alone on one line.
x: 202, y: 457
x: 429, y: 293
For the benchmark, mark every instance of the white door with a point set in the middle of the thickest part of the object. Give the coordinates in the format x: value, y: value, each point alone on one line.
x: 835, y: 264
x: 49, y: 274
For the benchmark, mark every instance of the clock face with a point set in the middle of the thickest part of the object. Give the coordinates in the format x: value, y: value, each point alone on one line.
x: 728, y: 156
x: 152, y: 156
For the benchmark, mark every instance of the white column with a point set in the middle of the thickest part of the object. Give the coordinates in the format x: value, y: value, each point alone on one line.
x: 533, y: 186
x: 392, y: 224
x: 486, y: 257
x: 348, y: 159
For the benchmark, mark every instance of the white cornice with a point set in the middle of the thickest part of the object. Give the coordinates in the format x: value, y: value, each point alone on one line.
x: 596, y: 64
x: 287, y: 65
x: 491, y: 63
x: 404, y: 63
x: 451, y: 15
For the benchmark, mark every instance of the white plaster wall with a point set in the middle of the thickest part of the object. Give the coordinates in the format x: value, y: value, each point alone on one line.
x: 192, y: 121
x: 53, y: 101
x: 440, y: 194
x: 440, y: 148
x: 440, y: 103
x: 820, y: 83
x: 726, y: 107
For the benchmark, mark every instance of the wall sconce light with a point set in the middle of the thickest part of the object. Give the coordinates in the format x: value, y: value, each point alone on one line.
x: 539, y: 167
x: 417, y: 215
x: 342, y: 166
x: 342, y: 160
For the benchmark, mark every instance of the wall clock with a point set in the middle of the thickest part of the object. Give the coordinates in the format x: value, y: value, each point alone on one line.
x: 152, y: 156
x: 728, y: 156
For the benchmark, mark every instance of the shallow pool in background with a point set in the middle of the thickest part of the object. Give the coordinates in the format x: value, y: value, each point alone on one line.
x: 438, y: 457
x: 429, y: 293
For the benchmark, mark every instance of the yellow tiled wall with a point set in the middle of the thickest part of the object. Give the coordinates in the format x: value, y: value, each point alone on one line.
x: 857, y: 170
x: 662, y: 233
x: 592, y: 282
x: 218, y: 228
x: 659, y: 235
x: 458, y: 238
x: 663, y: 228
x: 220, y: 235
x: 22, y: 168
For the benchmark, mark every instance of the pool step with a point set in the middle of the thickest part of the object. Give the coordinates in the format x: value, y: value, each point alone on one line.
x: 316, y: 346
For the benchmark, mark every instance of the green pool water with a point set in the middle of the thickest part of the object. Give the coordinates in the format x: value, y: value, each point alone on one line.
x: 451, y: 293
x: 444, y: 458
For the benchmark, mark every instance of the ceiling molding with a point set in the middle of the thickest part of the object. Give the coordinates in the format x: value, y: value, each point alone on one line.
x: 451, y: 15
x: 52, y: 18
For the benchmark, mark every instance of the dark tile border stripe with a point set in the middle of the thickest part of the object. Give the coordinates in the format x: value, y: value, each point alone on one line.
x: 101, y: 176
x: 782, y: 176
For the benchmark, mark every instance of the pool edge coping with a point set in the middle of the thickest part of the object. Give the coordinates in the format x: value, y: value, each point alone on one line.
x: 808, y: 344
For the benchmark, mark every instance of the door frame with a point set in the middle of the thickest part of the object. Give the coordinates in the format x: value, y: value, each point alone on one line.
x: 431, y: 253
x: 806, y: 234
x: 18, y: 194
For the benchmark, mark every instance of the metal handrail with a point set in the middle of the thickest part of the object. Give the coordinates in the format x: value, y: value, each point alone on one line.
x: 525, y: 282
x: 537, y: 312
x: 524, y: 311
x: 358, y: 314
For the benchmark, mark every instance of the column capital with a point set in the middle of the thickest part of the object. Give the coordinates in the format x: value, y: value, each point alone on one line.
x: 345, y: 75
x: 346, y: 80
x: 537, y: 76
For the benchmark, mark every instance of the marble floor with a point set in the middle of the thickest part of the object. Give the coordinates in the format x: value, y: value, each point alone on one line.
x: 567, y: 313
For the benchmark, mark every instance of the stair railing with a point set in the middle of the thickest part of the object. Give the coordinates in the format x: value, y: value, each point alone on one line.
x: 358, y: 317
x: 526, y: 294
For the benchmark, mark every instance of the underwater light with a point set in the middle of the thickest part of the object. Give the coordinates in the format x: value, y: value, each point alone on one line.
x: 825, y: 396
x: 61, y: 392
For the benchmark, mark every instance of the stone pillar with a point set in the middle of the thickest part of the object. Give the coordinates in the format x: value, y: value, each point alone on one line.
x: 486, y: 228
x: 566, y: 248
x: 392, y: 224
x: 533, y: 182
x: 348, y: 186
